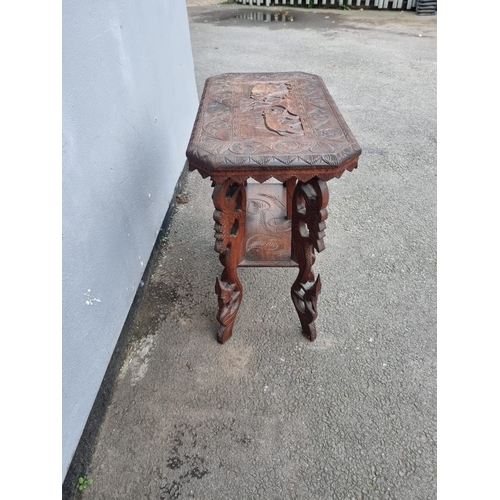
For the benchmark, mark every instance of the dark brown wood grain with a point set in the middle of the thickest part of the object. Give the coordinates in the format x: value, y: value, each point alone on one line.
x: 260, y: 126
x: 267, y: 240
x: 229, y: 215
x: 308, y: 230
x: 265, y: 125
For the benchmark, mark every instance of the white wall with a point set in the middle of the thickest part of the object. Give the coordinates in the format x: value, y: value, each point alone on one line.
x: 129, y: 103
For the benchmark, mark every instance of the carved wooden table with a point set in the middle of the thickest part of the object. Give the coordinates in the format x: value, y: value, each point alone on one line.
x: 258, y: 126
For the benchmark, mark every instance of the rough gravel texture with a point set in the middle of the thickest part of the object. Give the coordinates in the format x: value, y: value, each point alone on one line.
x: 270, y: 415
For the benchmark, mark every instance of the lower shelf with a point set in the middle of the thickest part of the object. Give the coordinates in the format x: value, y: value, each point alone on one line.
x: 268, y: 263
x: 268, y: 232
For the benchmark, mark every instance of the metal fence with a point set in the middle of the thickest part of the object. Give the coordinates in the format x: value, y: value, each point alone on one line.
x: 381, y: 4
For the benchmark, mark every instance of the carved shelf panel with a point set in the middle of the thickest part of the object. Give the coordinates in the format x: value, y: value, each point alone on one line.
x: 268, y: 231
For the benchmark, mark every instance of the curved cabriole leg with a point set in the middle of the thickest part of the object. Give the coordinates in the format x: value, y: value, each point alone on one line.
x: 308, y: 229
x: 230, y: 201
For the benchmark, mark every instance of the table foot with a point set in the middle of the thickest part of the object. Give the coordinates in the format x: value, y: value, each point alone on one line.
x: 308, y: 229
x: 305, y: 299
x: 230, y: 202
x: 229, y: 298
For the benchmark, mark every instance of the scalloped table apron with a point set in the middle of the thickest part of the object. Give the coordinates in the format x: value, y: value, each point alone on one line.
x: 252, y: 127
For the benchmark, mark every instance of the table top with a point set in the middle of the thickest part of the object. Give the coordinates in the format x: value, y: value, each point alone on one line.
x: 264, y: 125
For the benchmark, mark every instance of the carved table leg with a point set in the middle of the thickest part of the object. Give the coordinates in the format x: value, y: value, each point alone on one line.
x: 230, y: 203
x: 308, y: 229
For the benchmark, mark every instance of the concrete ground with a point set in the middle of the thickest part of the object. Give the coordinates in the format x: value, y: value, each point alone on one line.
x: 270, y: 415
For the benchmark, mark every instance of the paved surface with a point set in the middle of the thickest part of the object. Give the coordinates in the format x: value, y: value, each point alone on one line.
x: 270, y: 415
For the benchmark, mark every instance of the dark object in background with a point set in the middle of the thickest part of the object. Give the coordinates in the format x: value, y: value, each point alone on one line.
x: 426, y: 7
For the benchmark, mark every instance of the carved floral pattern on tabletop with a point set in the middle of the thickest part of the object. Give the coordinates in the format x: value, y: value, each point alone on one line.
x: 272, y: 120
